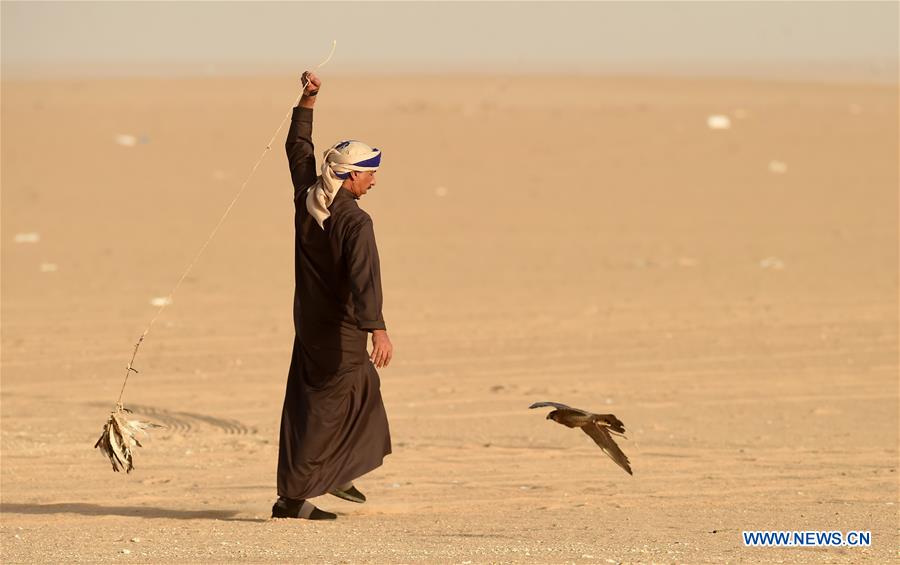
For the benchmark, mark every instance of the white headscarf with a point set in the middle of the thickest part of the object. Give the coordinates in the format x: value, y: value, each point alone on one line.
x: 337, y: 162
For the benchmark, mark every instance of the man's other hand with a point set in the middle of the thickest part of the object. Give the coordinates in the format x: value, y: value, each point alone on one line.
x: 382, y: 349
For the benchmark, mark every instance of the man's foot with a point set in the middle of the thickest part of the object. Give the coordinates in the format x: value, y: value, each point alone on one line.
x: 303, y: 509
x: 348, y: 492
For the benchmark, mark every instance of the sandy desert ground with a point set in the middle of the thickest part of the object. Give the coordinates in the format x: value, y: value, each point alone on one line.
x: 730, y: 294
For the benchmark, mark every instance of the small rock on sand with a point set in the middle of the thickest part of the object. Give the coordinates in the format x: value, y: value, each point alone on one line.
x: 718, y: 121
x: 126, y: 140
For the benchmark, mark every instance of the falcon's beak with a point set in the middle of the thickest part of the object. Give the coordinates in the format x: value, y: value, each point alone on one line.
x: 550, y: 416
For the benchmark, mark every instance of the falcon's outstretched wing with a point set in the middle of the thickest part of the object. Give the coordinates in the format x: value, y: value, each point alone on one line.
x: 559, y: 406
x: 601, y: 437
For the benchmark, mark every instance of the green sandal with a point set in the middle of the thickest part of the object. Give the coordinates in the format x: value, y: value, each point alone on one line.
x: 349, y: 493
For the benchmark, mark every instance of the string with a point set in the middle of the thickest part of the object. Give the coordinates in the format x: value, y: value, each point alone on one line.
x: 168, y: 300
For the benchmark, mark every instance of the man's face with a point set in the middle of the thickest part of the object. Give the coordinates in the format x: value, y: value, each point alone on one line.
x: 361, y: 182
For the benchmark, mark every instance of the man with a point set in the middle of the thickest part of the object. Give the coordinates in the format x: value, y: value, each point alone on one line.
x: 333, y: 425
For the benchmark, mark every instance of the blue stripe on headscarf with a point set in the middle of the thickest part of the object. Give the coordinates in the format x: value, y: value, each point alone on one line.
x: 370, y: 162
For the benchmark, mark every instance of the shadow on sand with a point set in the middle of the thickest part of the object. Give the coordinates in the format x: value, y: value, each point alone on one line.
x: 132, y: 511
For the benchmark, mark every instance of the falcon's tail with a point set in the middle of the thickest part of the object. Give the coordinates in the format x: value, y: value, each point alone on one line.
x: 614, y: 424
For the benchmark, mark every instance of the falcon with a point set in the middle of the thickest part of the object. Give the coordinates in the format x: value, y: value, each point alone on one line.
x: 598, y: 426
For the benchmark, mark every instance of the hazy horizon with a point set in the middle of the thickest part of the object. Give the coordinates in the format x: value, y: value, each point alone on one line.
x: 849, y: 40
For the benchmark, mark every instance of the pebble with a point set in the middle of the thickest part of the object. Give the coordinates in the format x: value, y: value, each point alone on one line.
x: 718, y: 122
x: 126, y: 140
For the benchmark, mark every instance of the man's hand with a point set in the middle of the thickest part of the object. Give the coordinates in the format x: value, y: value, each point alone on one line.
x: 382, y: 349
x: 311, y: 84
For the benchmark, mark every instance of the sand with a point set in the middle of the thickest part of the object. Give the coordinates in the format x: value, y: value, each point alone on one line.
x: 731, y: 295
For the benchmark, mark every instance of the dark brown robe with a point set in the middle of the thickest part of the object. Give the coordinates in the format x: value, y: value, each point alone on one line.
x: 333, y: 424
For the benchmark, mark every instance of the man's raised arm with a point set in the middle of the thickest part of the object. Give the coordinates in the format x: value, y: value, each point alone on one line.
x: 299, y: 145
